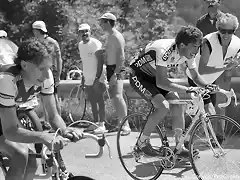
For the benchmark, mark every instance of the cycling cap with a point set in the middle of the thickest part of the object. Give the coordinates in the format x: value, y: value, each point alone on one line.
x: 108, y: 16
x: 83, y: 27
x: 3, y: 33
x: 39, y: 25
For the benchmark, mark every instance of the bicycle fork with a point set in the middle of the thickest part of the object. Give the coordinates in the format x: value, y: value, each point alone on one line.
x: 207, y: 125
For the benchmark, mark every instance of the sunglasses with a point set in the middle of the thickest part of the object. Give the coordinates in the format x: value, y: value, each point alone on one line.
x: 226, y: 31
x: 83, y: 31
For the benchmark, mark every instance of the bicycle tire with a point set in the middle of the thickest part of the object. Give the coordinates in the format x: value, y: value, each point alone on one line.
x: 76, y: 103
x: 159, y: 132
x: 195, y: 128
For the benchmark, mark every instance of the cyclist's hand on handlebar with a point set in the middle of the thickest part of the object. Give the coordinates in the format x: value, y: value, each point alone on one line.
x: 212, y: 87
x: 195, y: 90
x: 58, y: 142
x: 74, y: 134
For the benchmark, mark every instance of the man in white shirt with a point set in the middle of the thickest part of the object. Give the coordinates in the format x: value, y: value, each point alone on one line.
x: 91, y: 54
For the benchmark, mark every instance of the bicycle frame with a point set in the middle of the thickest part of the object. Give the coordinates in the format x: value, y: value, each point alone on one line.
x: 198, y: 100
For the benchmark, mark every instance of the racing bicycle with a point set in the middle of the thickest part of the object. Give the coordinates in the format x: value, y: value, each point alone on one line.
x: 52, y: 161
x: 215, y: 159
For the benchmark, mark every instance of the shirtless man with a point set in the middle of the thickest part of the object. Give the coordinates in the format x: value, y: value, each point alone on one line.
x: 115, y: 58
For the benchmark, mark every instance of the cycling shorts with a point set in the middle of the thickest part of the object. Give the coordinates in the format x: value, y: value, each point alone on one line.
x: 212, y: 97
x: 145, y: 85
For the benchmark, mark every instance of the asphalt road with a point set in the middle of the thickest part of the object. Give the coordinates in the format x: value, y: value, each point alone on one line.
x: 105, y: 168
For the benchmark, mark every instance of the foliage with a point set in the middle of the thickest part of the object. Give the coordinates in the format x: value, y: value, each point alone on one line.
x: 140, y: 21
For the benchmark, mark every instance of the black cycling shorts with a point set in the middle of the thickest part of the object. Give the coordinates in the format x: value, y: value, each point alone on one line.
x: 145, y: 85
x: 212, y: 98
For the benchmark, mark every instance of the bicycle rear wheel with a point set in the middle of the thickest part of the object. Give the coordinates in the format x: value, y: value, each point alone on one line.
x: 209, y: 165
x: 76, y: 103
x: 139, y: 167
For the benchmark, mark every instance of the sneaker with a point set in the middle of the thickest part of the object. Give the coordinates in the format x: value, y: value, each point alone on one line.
x: 126, y: 130
x: 147, y: 148
x: 101, y: 129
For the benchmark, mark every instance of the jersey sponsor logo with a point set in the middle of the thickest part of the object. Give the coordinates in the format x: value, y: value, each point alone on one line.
x: 143, y: 60
x: 167, y: 54
x: 141, y: 88
x: 172, y: 65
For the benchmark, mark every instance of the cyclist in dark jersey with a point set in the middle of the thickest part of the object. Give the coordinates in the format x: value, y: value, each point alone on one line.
x: 29, y: 76
x: 149, y: 79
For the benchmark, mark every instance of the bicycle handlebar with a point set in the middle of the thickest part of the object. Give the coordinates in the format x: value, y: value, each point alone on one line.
x: 228, y: 94
x: 52, y: 162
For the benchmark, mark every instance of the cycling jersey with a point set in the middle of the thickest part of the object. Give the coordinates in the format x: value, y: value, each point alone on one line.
x: 13, y: 91
x: 161, y: 52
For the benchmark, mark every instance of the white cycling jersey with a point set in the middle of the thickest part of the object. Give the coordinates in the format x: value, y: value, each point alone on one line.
x: 162, y: 52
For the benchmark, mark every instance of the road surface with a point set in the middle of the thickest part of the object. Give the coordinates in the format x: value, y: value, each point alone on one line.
x: 111, y: 169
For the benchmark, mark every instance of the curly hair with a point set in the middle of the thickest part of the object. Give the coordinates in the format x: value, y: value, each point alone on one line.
x: 33, y: 50
x: 227, y: 19
x: 188, y: 34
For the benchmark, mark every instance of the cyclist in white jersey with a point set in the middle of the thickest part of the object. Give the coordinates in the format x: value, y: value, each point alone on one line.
x: 149, y: 78
x: 21, y: 82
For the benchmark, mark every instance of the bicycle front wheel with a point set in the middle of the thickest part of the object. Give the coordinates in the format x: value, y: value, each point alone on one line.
x: 219, y: 148
x: 138, y: 166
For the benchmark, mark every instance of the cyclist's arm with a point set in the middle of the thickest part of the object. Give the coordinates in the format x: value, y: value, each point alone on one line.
x: 204, y: 58
x: 12, y: 129
x: 55, y: 119
x: 196, y: 77
x: 163, y: 82
x: 50, y: 104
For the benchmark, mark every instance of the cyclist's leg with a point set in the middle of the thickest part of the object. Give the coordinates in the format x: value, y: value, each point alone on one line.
x: 150, y: 92
x: 22, y: 166
x: 177, y: 114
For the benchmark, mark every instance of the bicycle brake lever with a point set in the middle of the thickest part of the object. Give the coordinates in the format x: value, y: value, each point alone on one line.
x: 109, y: 149
x: 235, y: 97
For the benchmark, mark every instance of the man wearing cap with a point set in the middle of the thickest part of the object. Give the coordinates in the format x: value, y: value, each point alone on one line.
x: 207, y: 23
x: 40, y: 32
x: 115, y: 58
x: 90, y: 50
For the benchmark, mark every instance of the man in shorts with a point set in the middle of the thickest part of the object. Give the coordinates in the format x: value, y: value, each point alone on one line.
x: 115, y: 59
x: 149, y: 79
x: 20, y: 83
x: 91, y: 54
